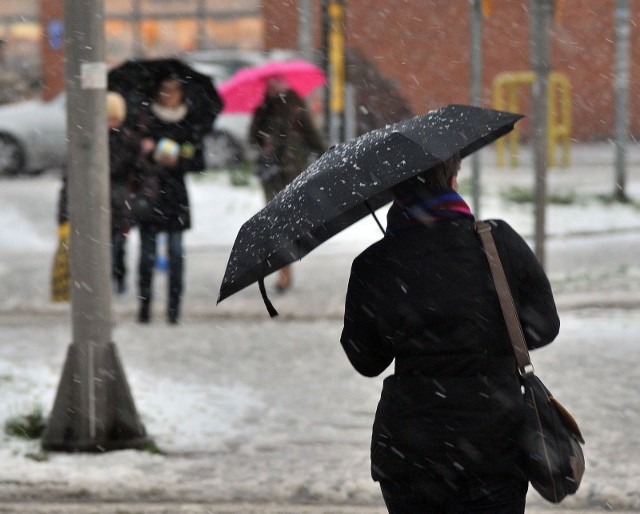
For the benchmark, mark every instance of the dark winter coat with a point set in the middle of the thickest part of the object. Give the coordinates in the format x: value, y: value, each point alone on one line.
x: 170, y: 198
x: 285, y: 121
x: 123, y: 157
x: 124, y: 151
x: 424, y: 297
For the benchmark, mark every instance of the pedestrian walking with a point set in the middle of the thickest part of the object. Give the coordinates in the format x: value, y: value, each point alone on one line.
x: 171, y: 146
x: 285, y: 135
x: 123, y: 156
x: 446, y: 427
x: 124, y: 150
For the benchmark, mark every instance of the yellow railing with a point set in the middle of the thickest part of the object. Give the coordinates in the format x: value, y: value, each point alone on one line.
x: 506, y: 98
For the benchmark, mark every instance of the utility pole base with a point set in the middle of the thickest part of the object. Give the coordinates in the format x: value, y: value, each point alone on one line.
x: 96, y: 414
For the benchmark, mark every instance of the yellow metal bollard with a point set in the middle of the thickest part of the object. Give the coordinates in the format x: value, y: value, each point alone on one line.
x: 506, y: 98
x: 559, y: 117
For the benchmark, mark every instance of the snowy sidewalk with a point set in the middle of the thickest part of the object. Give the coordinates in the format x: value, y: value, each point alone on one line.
x: 267, y: 416
x: 208, y: 508
x: 270, y: 412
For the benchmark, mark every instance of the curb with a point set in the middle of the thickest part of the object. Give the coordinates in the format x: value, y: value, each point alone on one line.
x: 209, y: 508
x: 599, y: 300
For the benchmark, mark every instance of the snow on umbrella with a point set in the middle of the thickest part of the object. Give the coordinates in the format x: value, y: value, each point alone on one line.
x: 348, y: 182
x: 138, y: 80
x: 244, y: 91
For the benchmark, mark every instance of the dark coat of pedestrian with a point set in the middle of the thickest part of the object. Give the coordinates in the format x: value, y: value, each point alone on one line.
x: 171, y: 210
x: 286, y: 136
x: 124, y: 152
x: 446, y: 428
x: 172, y: 141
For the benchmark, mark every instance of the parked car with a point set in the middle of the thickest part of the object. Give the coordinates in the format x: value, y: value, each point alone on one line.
x: 33, y: 133
x: 227, y: 145
x: 33, y: 136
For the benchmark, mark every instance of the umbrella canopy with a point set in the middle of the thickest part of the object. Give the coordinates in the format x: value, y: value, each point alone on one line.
x: 350, y: 181
x: 244, y: 91
x: 138, y: 80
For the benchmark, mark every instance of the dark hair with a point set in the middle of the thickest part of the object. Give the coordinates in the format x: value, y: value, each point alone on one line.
x: 440, y: 176
x: 433, y: 179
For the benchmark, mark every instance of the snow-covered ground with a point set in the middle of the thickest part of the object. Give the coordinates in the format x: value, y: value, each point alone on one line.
x: 252, y: 409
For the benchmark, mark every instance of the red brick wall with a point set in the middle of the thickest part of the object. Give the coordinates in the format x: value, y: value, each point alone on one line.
x: 52, y: 59
x: 281, y: 23
x: 425, y: 47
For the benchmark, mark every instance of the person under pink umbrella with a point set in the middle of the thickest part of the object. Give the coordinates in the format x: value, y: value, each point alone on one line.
x: 245, y: 90
x: 286, y: 135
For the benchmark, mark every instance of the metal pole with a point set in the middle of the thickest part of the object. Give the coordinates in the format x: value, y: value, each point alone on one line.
x: 201, y: 38
x: 93, y: 410
x: 325, y: 67
x: 540, y: 17
x: 337, y: 69
x: 476, y: 94
x: 136, y: 27
x: 88, y: 181
x: 350, y: 115
x: 621, y: 89
x: 305, y: 44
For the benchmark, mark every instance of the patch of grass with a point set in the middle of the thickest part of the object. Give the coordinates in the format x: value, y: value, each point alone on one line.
x: 563, y: 198
x: 240, y: 176
x: 517, y: 195
x: 39, y: 456
x: 465, y: 187
x: 526, y: 195
x: 29, y: 426
x: 586, y: 277
x: 208, y: 174
x: 610, y: 199
x: 152, y: 448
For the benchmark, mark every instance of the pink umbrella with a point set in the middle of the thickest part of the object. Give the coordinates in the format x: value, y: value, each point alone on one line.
x: 244, y: 91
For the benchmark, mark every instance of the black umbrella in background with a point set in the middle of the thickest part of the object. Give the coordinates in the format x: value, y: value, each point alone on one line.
x: 348, y: 182
x: 138, y: 80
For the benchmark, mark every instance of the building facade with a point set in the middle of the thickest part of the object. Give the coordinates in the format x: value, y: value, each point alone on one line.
x: 421, y: 46
x: 31, y: 32
x: 425, y: 47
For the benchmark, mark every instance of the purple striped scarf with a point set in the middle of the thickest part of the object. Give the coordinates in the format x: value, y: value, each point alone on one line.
x: 419, y: 209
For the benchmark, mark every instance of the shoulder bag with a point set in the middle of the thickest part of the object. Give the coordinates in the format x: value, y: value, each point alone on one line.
x: 550, y: 437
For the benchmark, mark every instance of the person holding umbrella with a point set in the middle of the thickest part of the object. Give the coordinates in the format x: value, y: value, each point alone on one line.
x: 173, y: 106
x: 171, y: 145
x: 445, y: 431
x: 446, y: 427
x: 285, y: 134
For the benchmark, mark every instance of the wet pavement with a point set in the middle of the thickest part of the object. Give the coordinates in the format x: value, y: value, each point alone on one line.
x: 294, y: 441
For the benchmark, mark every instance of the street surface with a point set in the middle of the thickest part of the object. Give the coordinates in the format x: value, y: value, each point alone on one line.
x: 265, y: 416
x: 234, y: 508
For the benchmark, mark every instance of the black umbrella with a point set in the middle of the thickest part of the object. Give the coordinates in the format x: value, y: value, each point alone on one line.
x: 348, y: 182
x: 138, y: 80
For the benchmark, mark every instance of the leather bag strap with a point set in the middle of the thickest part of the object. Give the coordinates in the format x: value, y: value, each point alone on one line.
x: 506, y: 299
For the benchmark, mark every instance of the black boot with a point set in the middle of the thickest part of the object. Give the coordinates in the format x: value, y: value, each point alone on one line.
x: 173, y: 309
x: 144, y: 312
x: 119, y: 284
x: 173, y: 315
